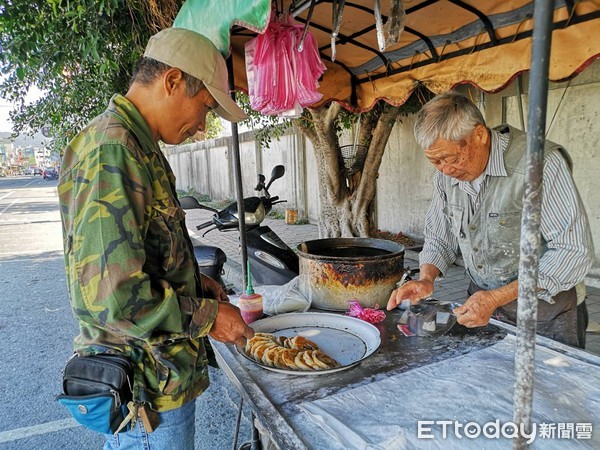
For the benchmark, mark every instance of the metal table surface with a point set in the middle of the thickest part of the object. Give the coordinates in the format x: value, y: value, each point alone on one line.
x: 273, y: 396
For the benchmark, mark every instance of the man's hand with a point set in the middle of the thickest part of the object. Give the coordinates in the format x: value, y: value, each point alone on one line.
x: 213, y: 289
x: 477, y: 310
x: 415, y: 291
x: 229, y: 327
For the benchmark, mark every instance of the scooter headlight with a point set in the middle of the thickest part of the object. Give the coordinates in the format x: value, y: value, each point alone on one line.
x: 269, y: 259
x: 256, y: 217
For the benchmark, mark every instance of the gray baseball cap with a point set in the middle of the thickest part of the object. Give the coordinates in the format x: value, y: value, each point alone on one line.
x: 197, y: 56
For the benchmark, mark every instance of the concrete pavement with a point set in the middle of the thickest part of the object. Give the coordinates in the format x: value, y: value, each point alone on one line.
x: 37, y: 329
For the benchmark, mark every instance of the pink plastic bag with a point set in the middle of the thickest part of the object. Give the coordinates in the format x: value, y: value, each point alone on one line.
x: 282, y: 80
x: 308, y: 71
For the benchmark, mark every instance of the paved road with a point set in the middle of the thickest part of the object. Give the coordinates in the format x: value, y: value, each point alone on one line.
x: 36, y: 331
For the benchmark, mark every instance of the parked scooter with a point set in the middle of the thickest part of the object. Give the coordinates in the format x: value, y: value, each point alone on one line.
x: 210, y: 259
x: 210, y: 262
x: 272, y: 262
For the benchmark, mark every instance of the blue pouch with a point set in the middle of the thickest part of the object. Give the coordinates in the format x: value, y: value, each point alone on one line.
x: 96, y: 391
x: 98, y: 412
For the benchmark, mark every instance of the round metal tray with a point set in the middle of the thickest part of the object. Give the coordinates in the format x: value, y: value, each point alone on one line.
x: 346, y: 339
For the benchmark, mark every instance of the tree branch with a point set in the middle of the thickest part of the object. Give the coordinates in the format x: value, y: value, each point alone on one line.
x: 380, y: 135
x: 327, y: 146
x: 306, y: 127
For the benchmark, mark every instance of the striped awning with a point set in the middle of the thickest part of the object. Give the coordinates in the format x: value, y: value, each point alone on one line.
x: 444, y: 43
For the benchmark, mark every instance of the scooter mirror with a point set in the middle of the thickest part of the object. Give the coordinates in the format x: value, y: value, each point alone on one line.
x: 277, y: 172
x: 189, y: 202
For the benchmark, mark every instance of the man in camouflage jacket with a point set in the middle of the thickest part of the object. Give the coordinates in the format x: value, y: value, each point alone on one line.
x: 132, y: 277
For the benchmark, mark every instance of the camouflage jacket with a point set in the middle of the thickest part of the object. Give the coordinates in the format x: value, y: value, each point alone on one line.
x: 131, y: 272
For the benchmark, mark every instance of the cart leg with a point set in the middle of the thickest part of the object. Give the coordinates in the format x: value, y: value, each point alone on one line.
x: 255, y: 443
x: 237, y: 423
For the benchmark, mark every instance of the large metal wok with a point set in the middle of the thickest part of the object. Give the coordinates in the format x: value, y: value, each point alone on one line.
x: 336, y: 271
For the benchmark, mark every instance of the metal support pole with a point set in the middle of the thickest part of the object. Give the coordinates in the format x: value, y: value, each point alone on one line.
x: 520, y: 103
x: 237, y: 171
x: 530, y: 231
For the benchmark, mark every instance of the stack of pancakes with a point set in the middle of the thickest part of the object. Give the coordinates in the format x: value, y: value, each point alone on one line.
x: 294, y: 353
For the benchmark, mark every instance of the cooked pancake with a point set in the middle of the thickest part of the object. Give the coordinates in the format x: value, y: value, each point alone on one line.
x: 269, y: 355
x: 323, y: 360
x: 308, y: 360
x: 259, y: 349
x: 299, y: 361
x: 287, y: 358
x: 301, y: 343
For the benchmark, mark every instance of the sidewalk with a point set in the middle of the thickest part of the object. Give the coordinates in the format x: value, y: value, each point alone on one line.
x: 452, y: 288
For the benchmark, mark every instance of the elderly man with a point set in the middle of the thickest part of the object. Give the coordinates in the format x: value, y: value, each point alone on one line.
x: 476, y: 208
x: 133, y: 281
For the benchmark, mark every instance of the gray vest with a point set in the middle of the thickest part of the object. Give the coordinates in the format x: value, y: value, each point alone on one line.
x: 490, y: 240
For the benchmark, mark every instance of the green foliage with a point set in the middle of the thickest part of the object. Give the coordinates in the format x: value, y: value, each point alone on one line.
x: 266, y: 127
x: 273, y: 127
x: 214, y: 126
x: 303, y: 221
x: 205, y: 199
x: 417, y: 99
x: 274, y: 214
x: 192, y: 192
x: 77, y: 52
x: 220, y: 204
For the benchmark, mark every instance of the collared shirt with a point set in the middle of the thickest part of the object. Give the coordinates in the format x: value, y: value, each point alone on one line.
x: 494, y: 168
x: 131, y: 272
x: 564, y: 226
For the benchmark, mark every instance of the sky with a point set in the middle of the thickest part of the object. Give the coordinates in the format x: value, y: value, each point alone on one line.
x: 5, y: 124
x: 6, y: 107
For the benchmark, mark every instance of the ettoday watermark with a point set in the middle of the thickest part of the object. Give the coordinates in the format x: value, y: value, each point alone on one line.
x: 443, y: 429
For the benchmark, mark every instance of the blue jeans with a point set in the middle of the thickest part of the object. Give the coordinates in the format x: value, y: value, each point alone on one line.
x: 175, y: 432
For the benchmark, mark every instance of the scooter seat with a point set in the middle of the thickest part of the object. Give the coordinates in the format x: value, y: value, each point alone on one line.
x: 207, y: 256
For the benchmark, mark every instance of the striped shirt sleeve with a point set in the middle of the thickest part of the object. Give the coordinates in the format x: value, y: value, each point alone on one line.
x: 441, y: 246
x: 565, y: 230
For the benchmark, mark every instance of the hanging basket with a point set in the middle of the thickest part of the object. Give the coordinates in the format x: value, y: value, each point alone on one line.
x: 354, y: 158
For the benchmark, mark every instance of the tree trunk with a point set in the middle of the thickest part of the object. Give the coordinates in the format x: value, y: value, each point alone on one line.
x: 347, y: 200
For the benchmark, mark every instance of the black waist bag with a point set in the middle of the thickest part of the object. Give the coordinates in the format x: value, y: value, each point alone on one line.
x: 97, y: 390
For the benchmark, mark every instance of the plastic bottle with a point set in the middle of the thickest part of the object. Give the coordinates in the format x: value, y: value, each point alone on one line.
x: 250, y: 304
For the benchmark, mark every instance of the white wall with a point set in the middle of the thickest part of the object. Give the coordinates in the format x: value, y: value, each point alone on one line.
x: 572, y: 121
x: 404, y: 183
x: 282, y: 152
x: 249, y: 168
x: 312, y: 182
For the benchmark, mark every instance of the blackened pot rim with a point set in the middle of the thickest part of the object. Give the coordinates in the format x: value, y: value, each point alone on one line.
x: 394, y: 248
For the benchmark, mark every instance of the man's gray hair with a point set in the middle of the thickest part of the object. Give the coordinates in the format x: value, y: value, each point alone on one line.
x: 449, y: 116
x: 147, y: 70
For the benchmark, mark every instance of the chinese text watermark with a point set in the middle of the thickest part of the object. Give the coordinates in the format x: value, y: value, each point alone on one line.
x: 432, y: 429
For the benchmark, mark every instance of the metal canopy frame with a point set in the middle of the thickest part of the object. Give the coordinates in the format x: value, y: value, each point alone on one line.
x: 530, y: 228
x: 429, y: 53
